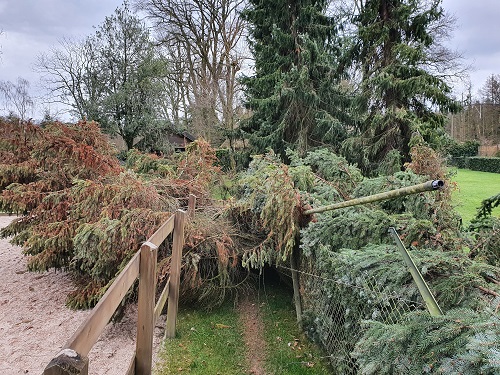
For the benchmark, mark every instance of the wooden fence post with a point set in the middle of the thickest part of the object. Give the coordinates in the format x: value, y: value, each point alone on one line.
x: 295, y: 279
x: 67, y: 362
x: 175, y: 274
x: 146, y: 306
x: 191, y: 205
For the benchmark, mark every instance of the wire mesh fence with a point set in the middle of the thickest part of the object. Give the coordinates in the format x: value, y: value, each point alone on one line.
x: 334, y: 310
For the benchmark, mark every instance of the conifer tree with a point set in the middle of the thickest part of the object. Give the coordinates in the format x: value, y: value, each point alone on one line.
x: 399, y: 92
x: 292, y: 94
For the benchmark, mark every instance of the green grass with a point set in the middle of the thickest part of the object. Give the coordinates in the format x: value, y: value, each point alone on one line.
x: 211, y: 343
x: 289, y: 350
x: 206, y: 343
x: 473, y: 188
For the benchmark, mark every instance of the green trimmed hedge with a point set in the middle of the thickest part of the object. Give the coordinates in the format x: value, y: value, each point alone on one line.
x: 490, y: 164
x: 483, y: 164
x: 461, y: 149
x: 460, y: 162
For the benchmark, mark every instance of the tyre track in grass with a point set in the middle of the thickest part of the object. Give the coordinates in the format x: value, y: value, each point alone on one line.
x: 253, y: 334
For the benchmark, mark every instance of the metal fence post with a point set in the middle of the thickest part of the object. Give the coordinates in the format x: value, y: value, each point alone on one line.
x: 422, y: 286
x: 295, y: 280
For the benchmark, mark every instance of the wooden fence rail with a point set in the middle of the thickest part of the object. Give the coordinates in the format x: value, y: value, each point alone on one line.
x: 492, y: 150
x: 72, y: 359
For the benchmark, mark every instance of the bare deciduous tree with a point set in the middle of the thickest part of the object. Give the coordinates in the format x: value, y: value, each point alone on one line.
x: 67, y: 72
x: 441, y: 60
x: 490, y: 92
x: 203, y: 40
x: 16, y: 97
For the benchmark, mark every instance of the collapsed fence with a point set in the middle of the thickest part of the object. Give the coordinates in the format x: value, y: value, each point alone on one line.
x: 335, y: 307
x: 371, y: 317
x: 337, y: 324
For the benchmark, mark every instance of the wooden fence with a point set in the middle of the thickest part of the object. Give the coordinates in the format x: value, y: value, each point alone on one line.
x: 489, y: 150
x: 72, y: 359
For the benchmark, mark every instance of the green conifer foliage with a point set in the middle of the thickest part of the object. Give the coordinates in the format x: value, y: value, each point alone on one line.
x: 398, y: 93
x: 358, y: 297
x: 271, y: 205
x: 273, y: 196
x: 462, y: 342
x: 292, y: 95
x: 486, y: 228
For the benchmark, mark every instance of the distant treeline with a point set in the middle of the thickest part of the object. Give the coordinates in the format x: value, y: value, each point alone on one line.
x: 478, y: 121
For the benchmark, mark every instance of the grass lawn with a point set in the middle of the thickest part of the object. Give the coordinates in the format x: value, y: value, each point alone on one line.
x: 289, y: 350
x: 206, y: 343
x: 473, y: 188
x: 211, y: 343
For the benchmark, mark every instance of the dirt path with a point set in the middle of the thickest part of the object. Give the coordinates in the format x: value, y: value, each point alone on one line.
x: 35, y: 323
x: 253, y: 331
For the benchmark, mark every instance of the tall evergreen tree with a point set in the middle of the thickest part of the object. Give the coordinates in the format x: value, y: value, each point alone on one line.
x: 398, y: 92
x: 292, y: 94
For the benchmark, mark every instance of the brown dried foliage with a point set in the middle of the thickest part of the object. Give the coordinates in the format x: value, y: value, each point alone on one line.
x: 84, y: 213
x: 427, y: 162
x: 81, y: 210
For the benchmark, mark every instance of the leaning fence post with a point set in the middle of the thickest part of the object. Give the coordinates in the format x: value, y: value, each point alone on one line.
x: 145, y: 309
x: 175, y: 273
x: 422, y: 286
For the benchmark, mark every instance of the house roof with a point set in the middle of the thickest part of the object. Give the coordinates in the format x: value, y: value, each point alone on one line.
x: 189, y: 136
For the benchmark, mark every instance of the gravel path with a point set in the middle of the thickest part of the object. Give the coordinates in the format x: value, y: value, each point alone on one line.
x: 35, y: 323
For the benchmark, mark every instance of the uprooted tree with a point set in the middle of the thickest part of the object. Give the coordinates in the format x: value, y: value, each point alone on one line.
x: 345, y: 248
x: 83, y: 212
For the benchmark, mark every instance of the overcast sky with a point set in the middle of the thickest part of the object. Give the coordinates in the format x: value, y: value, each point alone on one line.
x: 477, y: 36
x: 30, y: 27
x: 33, y: 26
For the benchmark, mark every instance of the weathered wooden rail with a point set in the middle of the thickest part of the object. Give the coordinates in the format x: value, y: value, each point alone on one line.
x: 72, y: 359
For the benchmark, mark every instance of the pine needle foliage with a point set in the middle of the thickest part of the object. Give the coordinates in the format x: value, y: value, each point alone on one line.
x: 38, y: 161
x: 347, y: 247
x: 330, y: 172
x: 486, y: 229
x: 487, y: 206
x: 148, y: 163
x: 84, y: 213
x: 212, y: 268
x: 295, y: 95
x: 461, y: 342
x: 453, y: 277
x: 271, y: 203
x: 400, y: 88
x: 81, y: 211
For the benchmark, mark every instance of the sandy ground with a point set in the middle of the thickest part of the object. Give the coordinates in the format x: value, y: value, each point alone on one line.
x: 35, y: 323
